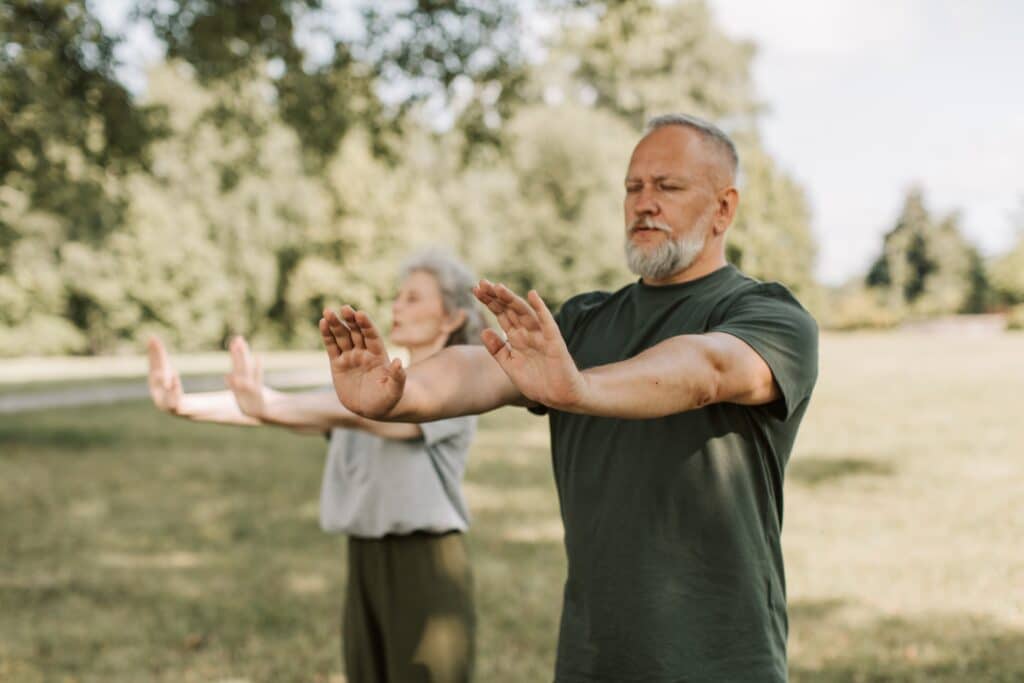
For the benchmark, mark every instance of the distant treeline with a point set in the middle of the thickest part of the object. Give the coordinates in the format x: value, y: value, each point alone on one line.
x: 249, y: 188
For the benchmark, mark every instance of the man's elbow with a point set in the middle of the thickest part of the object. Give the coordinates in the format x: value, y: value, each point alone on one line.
x: 710, y: 385
x: 708, y: 390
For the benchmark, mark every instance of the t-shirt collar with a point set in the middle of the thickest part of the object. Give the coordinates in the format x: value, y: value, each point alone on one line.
x: 700, y: 282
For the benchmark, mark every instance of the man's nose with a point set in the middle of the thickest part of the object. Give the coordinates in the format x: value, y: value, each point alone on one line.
x: 646, y: 204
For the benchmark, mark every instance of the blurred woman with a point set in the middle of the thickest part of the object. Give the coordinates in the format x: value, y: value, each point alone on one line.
x: 394, y: 489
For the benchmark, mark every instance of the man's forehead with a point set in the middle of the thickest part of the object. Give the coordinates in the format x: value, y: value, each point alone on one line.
x: 660, y: 165
x: 673, y: 151
x: 672, y: 144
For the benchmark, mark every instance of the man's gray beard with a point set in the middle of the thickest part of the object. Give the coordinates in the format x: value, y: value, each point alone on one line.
x: 668, y: 258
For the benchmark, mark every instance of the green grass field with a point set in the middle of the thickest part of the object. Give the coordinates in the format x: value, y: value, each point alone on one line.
x: 137, y: 547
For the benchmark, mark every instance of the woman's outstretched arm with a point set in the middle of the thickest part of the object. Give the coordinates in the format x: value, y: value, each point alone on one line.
x: 318, y: 411
x: 165, y: 390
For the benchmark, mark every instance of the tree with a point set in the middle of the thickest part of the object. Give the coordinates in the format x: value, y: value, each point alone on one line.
x: 1007, y: 271
x: 771, y: 237
x: 638, y: 59
x: 270, y: 184
x: 196, y: 256
x: 67, y: 126
x: 33, y: 298
x: 647, y: 57
x: 926, y: 266
x: 549, y: 215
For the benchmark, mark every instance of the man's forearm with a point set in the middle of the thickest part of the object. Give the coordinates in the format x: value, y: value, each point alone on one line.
x: 458, y: 380
x: 670, y: 378
x: 679, y: 374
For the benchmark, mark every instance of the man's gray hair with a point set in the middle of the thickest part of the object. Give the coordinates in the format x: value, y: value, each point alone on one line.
x: 711, y: 133
x: 456, y: 281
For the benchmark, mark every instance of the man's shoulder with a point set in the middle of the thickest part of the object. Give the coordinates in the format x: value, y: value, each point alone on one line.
x: 746, y: 292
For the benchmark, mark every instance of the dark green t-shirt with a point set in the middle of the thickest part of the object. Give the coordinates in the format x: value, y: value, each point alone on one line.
x: 672, y: 525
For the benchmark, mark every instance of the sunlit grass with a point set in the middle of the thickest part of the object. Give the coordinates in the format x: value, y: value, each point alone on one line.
x: 138, y: 547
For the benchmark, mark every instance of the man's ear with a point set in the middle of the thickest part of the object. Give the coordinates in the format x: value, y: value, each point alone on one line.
x: 725, y: 211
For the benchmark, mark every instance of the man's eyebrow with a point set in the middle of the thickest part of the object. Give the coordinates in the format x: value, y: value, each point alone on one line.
x: 657, y: 178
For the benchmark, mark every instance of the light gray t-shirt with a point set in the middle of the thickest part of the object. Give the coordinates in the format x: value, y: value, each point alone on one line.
x: 374, y: 486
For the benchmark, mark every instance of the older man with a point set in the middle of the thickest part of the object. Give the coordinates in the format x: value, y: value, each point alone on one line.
x: 674, y: 404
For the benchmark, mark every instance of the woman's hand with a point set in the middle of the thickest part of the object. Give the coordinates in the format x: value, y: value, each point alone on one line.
x: 164, y: 382
x: 246, y: 379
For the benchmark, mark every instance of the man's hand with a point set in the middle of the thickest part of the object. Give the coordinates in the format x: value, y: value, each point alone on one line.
x: 534, y: 356
x: 246, y: 379
x: 367, y: 382
x: 164, y: 382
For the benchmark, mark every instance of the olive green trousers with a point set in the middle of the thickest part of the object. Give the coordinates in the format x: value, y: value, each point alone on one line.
x: 409, y: 614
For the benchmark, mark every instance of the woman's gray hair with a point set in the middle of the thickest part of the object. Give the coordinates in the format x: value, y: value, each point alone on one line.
x: 456, y: 282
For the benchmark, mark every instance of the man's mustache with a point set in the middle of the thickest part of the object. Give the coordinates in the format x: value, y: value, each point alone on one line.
x: 650, y: 224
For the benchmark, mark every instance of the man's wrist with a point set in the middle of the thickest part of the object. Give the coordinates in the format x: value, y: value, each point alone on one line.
x: 580, y: 398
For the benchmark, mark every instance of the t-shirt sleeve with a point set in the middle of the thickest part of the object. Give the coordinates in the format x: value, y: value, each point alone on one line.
x: 449, y: 429
x: 773, y: 323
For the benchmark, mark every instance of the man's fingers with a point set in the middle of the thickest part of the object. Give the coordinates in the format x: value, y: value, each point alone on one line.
x: 397, y: 371
x: 495, y: 344
x: 486, y: 289
x: 330, y: 344
x: 506, y: 324
x: 486, y: 295
x: 339, y: 331
x: 547, y: 321
x: 371, y: 338
x: 522, y: 311
x: 348, y: 316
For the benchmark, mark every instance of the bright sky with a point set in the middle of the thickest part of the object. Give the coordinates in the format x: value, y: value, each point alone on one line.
x: 865, y: 98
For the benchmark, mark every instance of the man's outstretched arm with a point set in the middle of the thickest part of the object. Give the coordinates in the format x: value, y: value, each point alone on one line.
x: 458, y: 380
x: 679, y: 374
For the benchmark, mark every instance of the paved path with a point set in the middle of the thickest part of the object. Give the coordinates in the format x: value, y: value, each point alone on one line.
x: 129, y: 391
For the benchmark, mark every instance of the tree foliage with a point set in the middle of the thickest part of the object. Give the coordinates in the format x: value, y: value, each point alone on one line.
x: 66, y: 123
x: 646, y: 58
x: 1007, y: 271
x: 252, y: 184
x: 926, y: 266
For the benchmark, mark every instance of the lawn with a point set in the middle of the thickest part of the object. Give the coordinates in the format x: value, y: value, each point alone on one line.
x: 136, y: 547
